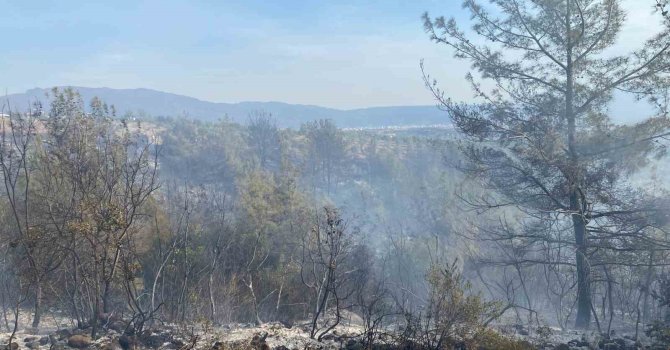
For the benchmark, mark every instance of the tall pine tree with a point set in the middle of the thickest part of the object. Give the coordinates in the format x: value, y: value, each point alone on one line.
x: 542, y: 138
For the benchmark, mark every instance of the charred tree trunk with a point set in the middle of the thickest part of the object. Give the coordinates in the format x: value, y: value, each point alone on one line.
x: 583, y: 274
x: 646, y: 289
x: 105, y: 297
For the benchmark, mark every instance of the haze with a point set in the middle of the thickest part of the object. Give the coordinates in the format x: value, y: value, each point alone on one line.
x: 341, y: 175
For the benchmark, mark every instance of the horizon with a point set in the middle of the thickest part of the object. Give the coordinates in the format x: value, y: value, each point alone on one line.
x: 224, y: 102
x: 621, y: 107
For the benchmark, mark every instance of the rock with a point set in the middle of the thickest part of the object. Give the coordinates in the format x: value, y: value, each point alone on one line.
x: 521, y: 329
x: 29, y: 339
x: 154, y: 340
x: 280, y: 347
x: 33, y: 345
x: 562, y: 347
x: 611, y: 346
x: 169, y: 346
x: 578, y: 343
x: 128, y: 342
x: 623, y: 343
x: 217, y: 346
x: 258, y: 342
x: 44, y: 341
x: 63, y: 334
x: 12, y: 346
x: 354, y: 345
x: 80, y: 331
x: 79, y: 341
x: 329, y: 337
x: 629, y: 343
x: 113, y: 345
x: 178, y: 343
x: 118, y: 326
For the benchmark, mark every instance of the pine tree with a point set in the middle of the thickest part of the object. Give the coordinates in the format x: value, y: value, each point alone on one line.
x: 542, y: 138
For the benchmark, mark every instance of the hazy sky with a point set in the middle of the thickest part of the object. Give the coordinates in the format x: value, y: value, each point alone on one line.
x: 341, y: 54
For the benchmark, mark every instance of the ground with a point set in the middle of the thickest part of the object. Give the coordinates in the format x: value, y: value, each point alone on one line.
x: 59, y: 333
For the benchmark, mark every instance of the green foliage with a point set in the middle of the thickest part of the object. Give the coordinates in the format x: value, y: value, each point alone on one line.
x: 260, y: 202
x: 326, y: 152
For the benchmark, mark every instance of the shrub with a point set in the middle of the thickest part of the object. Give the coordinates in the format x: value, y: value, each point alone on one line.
x: 453, y: 316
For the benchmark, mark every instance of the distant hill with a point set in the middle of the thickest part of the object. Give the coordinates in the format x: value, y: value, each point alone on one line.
x: 157, y: 103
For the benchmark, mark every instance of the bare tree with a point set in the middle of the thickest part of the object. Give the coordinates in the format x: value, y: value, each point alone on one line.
x: 35, y: 243
x: 325, y: 271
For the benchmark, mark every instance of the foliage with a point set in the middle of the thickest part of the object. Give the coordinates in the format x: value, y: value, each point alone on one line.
x: 453, y: 314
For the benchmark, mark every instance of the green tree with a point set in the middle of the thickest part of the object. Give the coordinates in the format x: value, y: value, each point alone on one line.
x: 327, y: 151
x: 263, y: 138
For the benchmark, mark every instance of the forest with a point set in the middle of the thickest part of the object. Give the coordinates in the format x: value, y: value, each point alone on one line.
x: 531, y: 216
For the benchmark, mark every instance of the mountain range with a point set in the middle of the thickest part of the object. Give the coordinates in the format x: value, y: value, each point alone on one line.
x: 158, y: 103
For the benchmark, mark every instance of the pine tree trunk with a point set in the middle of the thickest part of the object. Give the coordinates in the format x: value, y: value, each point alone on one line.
x: 37, y: 316
x: 577, y: 204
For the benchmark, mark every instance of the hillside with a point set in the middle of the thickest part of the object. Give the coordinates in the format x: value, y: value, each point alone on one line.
x: 158, y: 103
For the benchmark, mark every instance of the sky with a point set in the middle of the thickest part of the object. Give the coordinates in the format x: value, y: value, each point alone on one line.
x: 341, y: 54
